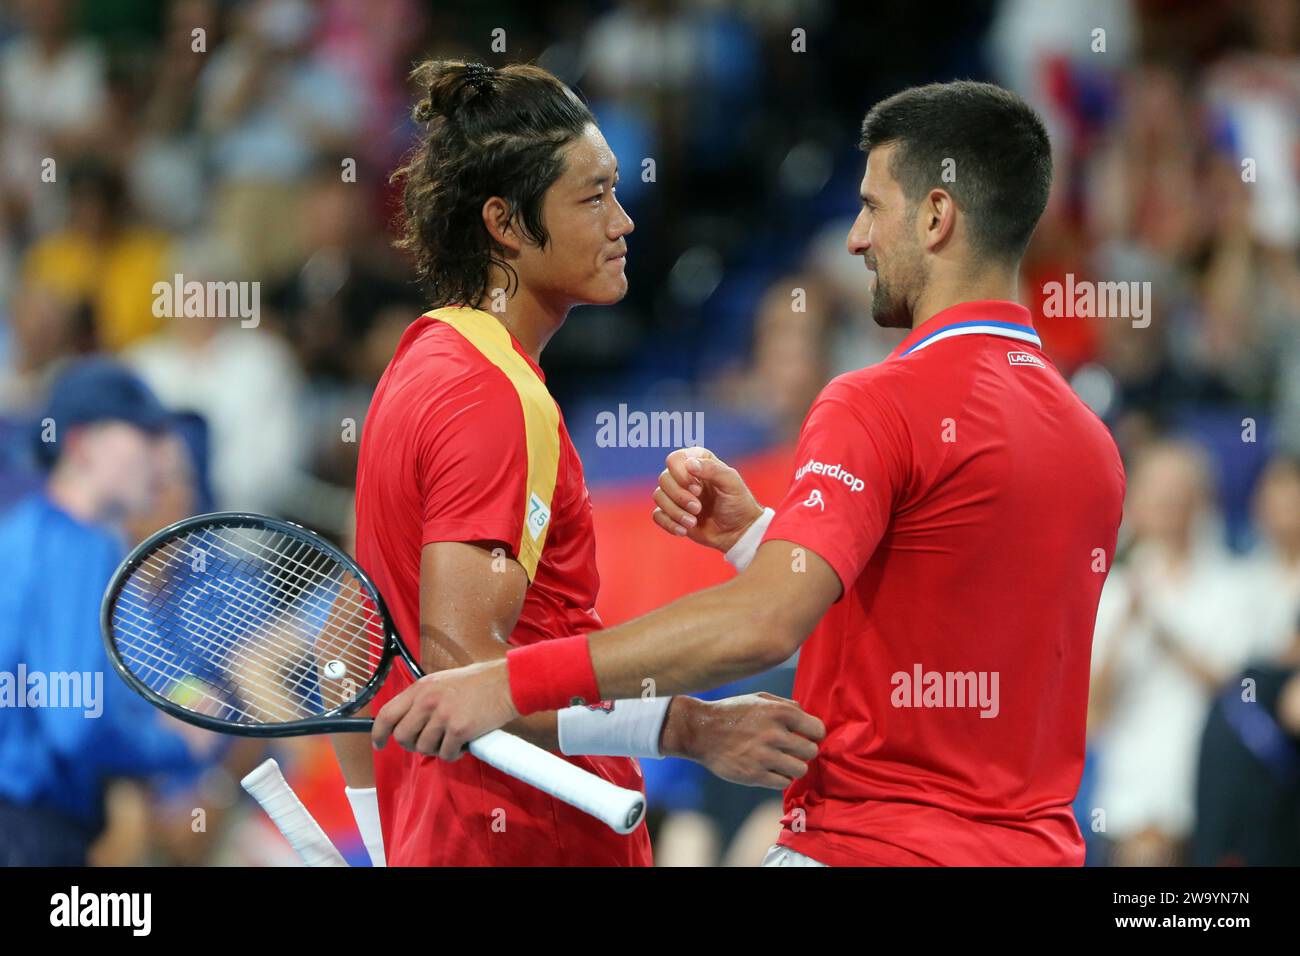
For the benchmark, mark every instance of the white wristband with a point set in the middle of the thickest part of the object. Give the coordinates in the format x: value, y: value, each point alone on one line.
x: 630, y: 728
x: 365, y: 808
x: 743, y: 551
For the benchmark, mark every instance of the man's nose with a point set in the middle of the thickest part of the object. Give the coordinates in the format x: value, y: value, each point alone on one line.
x: 858, y: 242
x: 622, y: 224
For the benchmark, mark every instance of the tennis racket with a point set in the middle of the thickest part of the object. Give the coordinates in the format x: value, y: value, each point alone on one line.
x: 244, y: 624
x: 266, y: 785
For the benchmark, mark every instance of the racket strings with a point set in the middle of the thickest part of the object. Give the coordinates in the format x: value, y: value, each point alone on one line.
x: 223, y: 655
x: 242, y: 607
x: 364, y: 658
x: 292, y: 558
x: 302, y: 579
x: 210, y: 637
x: 248, y: 628
x: 183, y: 690
x: 147, y: 653
x: 284, y: 586
x: 282, y: 591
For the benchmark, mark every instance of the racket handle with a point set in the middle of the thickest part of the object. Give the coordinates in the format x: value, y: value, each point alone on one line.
x: 618, y: 808
x: 268, y: 787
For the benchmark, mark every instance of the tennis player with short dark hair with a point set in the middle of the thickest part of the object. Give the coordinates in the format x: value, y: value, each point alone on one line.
x: 472, y: 514
x: 938, y: 557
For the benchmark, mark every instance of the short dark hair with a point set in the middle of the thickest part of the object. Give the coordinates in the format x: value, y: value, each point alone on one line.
x: 1001, y: 156
x: 486, y: 132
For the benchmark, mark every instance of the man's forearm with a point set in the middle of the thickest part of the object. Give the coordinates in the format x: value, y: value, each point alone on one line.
x: 734, y: 630
x: 702, y: 641
x: 542, y: 729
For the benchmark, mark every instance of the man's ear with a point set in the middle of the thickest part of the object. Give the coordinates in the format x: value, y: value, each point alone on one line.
x: 497, y: 219
x: 938, y: 218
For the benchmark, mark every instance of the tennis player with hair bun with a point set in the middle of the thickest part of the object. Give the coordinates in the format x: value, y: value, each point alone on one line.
x: 938, y: 556
x: 472, y: 514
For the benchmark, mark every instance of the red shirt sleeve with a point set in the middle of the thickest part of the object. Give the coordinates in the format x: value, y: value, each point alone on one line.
x: 472, y: 460
x: 851, y: 468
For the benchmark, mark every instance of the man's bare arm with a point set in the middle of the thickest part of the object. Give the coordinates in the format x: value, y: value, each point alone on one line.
x: 470, y: 599
x: 734, y: 630
x: 740, y: 628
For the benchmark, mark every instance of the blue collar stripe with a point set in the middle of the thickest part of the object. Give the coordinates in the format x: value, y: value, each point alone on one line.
x: 1011, y: 330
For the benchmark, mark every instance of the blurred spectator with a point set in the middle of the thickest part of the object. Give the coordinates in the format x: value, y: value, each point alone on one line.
x: 102, y: 258
x: 348, y: 278
x: 1248, y: 777
x: 1274, y: 566
x: 373, y: 43
x: 789, y: 363
x: 58, y: 549
x: 167, y: 169
x: 1173, y: 625
x: 242, y: 379
x: 1037, y: 46
x: 271, y: 107
x: 46, y: 329
x: 1257, y: 89
x: 183, y: 485
x: 1248, y: 782
x: 52, y: 95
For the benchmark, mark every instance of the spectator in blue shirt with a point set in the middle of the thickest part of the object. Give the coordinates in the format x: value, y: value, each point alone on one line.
x: 68, y: 724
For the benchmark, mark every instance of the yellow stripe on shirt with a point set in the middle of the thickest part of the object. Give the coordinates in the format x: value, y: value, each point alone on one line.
x: 541, y: 422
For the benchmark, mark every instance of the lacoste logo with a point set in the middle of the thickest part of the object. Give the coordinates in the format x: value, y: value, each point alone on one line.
x: 1025, y: 358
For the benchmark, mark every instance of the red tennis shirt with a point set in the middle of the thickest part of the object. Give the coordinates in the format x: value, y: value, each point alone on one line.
x: 464, y: 443
x: 969, y: 503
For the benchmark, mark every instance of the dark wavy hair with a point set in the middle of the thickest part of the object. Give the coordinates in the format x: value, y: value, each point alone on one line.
x: 485, y: 132
x: 999, y: 148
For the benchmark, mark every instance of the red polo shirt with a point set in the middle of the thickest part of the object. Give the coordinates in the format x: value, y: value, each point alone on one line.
x: 969, y: 503
x: 463, y: 442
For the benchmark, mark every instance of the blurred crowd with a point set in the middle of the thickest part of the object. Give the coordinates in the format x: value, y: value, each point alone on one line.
x: 251, y: 140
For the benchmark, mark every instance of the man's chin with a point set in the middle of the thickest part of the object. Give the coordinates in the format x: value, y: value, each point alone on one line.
x: 891, y: 317
x: 609, y: 295
x: 885, y: 312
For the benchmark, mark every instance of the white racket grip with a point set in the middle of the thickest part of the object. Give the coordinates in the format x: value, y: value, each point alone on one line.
x: 266, y: 784
x: 618, y: 808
